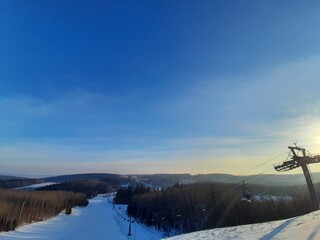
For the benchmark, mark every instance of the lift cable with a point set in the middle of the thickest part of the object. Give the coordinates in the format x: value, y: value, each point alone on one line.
x: 264, y: 177
x: 240, y: 183
x: 269, y: 160
x: 259, y: 174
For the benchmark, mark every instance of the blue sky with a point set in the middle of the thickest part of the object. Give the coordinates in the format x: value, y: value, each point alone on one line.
x: 156, y: 86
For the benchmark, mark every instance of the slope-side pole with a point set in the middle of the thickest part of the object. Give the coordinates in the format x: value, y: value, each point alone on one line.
x: 313, y: 195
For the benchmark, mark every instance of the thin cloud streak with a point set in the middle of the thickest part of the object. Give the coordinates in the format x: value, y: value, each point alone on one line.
x: 257, y: 116
x: 272, y: 94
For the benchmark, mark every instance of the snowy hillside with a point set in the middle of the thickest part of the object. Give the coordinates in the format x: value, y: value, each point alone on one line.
x: 99, y: 221
x: 303, y: 227
x: 35, y: 186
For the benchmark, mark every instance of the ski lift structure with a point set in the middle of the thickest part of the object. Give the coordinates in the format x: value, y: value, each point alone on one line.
x: 247, y: 196
x: 299, y: 158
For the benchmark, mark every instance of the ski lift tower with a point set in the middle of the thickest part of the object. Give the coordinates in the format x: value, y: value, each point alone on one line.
x: 300, y: 159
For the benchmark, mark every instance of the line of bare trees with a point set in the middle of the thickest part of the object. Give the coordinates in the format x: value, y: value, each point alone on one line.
x: 207, y: 205
x: 89, y: 187
x: 21, y: 207
x: 16, y: 183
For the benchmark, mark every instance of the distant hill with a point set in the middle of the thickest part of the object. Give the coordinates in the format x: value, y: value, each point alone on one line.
x: 7, y: 177
x: 264, y: 179
x: 107, y: 177
x: 163, y: 180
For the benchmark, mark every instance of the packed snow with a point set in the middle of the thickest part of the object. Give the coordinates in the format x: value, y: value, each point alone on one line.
x: 303, y: 227
x: 103, y: 220
x: 262, y: 198
x: 99, y: 220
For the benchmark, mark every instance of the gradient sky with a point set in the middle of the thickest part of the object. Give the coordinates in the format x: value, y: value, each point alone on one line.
x: 174, y: 86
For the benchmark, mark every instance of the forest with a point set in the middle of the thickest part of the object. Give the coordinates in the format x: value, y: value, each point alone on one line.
x: 21, y: 207
x: 16, y: 183
x: 202, y: 206
x: 90, y: 188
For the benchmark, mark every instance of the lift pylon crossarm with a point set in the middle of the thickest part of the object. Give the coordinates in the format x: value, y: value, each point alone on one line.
x: 286, y: 166
x: 299, y: 149
x: 296, y: 160
x: 295, y: 163
x: 316, y: 159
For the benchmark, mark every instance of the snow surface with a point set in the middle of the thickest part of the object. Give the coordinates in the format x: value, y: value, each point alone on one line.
x: 272, y: 198
x: 303, y: 227
x: 96, y: 221
x: 99, y: 220
x: 35, y: 186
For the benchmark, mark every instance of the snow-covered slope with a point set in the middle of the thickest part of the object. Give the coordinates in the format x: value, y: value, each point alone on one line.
x: 100, y: 221
x: 35, y: 186
x: 303, y: 227
x: 97, y: 221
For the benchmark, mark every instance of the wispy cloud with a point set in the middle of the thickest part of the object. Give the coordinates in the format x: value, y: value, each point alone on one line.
x: 70, y: 115
x: 270, y: 96
x: 211, y: 124
x: 67, y: 103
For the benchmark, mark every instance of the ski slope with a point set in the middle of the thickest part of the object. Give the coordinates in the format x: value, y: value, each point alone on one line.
x: 100, y: 221
x: 303, y: 227
x: 96, y: 221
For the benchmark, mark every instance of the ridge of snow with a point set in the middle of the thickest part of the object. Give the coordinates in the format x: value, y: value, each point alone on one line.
x: 302, y: 227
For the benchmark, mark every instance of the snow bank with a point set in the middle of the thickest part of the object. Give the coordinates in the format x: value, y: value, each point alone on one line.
x: 303, y: 227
